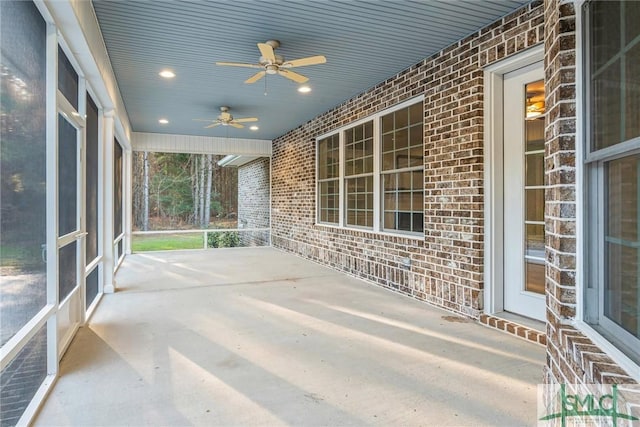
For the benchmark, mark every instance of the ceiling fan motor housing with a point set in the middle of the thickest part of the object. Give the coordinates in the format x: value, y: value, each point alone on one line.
x: 279, y: 60
x: 271, y: 69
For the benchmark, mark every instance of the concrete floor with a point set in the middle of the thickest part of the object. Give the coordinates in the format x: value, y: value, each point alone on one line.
x: 260, y: 337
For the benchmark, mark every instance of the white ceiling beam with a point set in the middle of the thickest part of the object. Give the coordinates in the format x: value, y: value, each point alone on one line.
x: 168, y: 143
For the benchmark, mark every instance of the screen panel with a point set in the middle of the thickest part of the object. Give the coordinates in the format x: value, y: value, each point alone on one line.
x: 92, y: 159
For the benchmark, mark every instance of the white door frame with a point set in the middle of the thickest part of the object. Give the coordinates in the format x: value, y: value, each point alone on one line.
x: 493, y: 174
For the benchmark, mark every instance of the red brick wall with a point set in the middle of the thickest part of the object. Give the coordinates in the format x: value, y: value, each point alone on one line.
x: 253, y: 201
x: 572, y: 357
x: 447, y: 266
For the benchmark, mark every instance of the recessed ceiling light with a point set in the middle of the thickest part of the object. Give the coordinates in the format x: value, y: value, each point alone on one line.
x: 163, y: 121
x: 304, y: 89
x: 254, y: 127
x: 167, y: 74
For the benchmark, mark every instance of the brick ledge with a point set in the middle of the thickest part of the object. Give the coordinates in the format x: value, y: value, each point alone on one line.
x: 525, y: 332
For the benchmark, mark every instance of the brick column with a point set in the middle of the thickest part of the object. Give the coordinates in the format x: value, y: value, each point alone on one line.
x: 560, y: 159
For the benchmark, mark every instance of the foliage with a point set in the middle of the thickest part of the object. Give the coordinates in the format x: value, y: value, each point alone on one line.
x: 223, y: 239
x: 175, y: 191
x: 230, y: 239
x: 213, y: 240
x: 170, y: 187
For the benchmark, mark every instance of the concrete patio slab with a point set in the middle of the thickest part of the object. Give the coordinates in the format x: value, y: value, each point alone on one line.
x: 261, y: 337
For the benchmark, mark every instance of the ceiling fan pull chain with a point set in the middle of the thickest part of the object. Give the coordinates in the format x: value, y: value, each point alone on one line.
x: 265, y: 85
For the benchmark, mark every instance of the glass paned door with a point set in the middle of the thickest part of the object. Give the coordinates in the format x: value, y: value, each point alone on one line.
x: 534, y: 187
x: 524, y: 200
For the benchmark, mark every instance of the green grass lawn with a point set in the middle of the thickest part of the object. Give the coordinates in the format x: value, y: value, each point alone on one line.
x: 166, y: 242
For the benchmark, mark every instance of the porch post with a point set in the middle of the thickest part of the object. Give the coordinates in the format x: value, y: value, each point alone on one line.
x: 107, y: 214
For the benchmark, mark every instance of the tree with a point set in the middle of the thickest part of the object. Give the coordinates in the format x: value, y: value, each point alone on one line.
x: 183, y: 190
x: 145, y: 191
x: 137, y: 189
x: 195, y: 182
x: 207, y: 204
x: 202, y: 189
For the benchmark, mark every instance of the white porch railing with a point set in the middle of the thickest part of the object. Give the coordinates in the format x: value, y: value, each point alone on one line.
x: 241, y: 233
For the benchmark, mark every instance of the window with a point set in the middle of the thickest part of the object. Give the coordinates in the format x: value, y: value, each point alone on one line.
x: 371, y: 174
x: 613, y: 167
x: 402, y: 169
x: 328, y: 179
x: 358, y: 172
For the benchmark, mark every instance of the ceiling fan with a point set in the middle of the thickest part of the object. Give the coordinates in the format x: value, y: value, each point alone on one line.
x: 226, y: 119
x: 271, y: 63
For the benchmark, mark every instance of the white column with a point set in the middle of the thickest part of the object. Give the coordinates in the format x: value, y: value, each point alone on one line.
x: 81, y: 298
x: 52, y: 197
x: 107, y: 205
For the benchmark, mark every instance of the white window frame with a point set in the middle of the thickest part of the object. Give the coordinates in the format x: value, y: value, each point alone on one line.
x: 494, y: 173
x: 320, y: 181
x: 613, y: 339
x: 377, y: 175
x: 344, y: 177
x: 407, y: 169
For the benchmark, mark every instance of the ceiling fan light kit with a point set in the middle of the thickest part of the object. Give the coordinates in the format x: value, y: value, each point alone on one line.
x: 271, y: 69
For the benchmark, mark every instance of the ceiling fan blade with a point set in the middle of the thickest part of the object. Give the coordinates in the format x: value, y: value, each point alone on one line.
x: 236, y: 125
x: 302, y: 62
x: 239, y: 64
x: 298, y: 78
x: 267, y: 52
x: 212, y: 125
x: 245, y: 120
x: 256, y: 77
